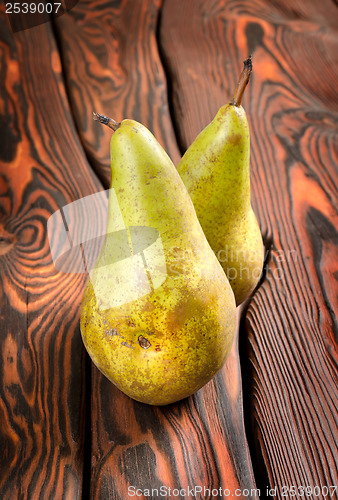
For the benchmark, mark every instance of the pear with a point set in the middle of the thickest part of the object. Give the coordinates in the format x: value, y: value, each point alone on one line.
x: 158, y: 315
x: 216, y: 172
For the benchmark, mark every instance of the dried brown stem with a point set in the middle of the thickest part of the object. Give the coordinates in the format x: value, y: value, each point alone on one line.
x: 242, y: 82
x: 106, y: 121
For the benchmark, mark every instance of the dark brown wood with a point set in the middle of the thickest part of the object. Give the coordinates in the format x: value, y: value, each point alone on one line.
x: 291, y: 102
x: 135, y: 445
x: 197, y: 442
x: 112, y: 66
x: 42, y: 378
x: 65, y: 431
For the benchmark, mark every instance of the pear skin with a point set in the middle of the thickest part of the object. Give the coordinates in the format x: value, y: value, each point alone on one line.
x: 216, y: 172
x: 158, y: 315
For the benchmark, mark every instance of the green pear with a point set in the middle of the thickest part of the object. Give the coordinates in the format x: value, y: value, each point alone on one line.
x: 158, y: 315
x: 216, y: 172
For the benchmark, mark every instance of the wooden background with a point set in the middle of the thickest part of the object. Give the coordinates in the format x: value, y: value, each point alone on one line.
x: 269, y: 418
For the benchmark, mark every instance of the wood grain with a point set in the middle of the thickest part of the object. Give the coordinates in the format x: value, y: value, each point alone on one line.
x: 65, y: 431
x: 290, y: 324
x: 112, y: 66
x: 196, y: 442
x: 200, y: 441
x: 42, y: 167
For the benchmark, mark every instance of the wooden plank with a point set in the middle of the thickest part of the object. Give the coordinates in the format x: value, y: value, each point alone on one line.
x: 42, y: 168
x: 112, y: 66
x: 289, y: 327
x: 196, y: 443
x: 112, y: 62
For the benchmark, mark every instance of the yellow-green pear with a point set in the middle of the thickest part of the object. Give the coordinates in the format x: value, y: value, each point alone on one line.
x: 158, y: 314
x: 216, y: 172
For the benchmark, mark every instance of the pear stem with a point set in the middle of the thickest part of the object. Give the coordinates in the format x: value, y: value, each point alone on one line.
x: 106, y: 121
x: 242, y: 82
